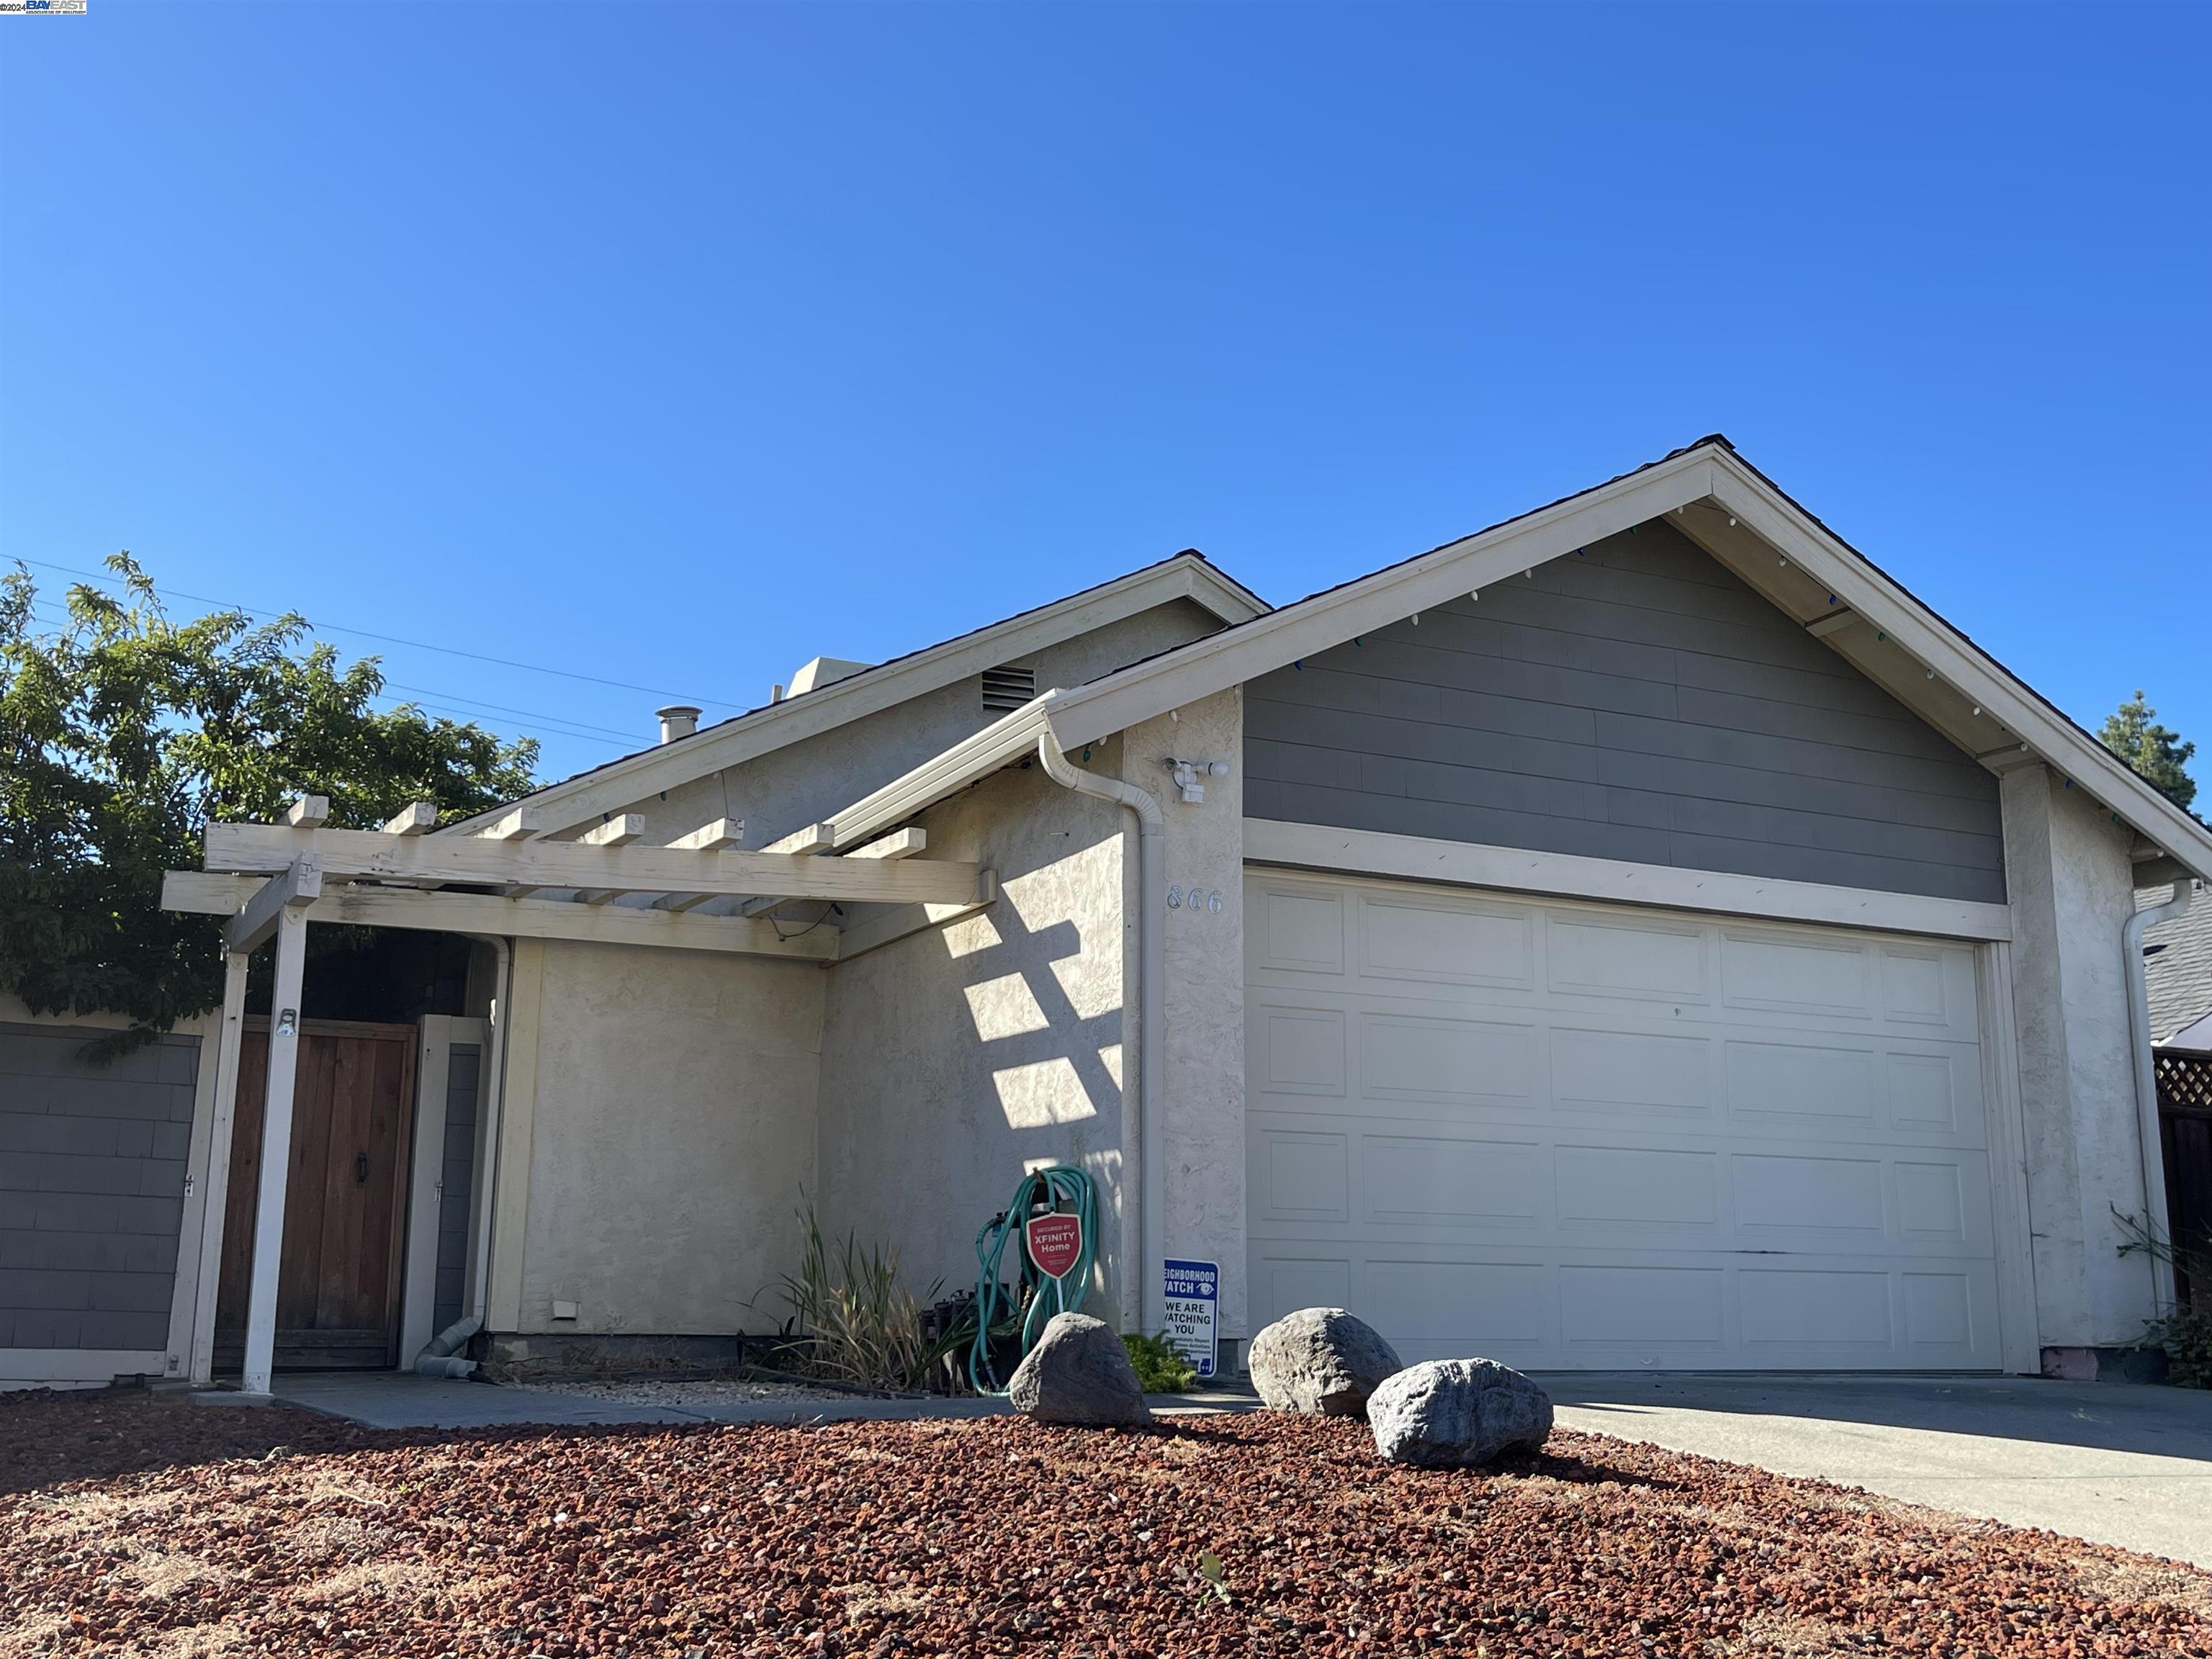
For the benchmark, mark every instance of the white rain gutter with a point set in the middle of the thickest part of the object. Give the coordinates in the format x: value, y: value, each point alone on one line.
x: 1149, y: 1184
x: 2146, y: 1073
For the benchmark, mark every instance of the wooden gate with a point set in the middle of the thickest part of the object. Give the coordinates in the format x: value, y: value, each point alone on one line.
x: 338, y: 1293
x: 2184, y: 1133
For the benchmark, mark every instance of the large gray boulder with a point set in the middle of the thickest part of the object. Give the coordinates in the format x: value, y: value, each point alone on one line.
x: 1320, y: 1359
x: 1079, y: 1373
x: 1446, y: 1413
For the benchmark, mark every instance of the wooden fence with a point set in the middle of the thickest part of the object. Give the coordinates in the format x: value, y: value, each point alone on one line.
x: 2184, y: 1123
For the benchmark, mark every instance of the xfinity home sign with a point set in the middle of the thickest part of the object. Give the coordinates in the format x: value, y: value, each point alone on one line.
x: 1194, y: 1295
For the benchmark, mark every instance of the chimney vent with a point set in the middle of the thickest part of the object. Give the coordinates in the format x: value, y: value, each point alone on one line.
x: 678, y: 720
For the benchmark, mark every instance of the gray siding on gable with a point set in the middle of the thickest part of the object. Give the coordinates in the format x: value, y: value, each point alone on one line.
x: 92, y: 1188
x: 456, y: 1176
x: 1637, y: 702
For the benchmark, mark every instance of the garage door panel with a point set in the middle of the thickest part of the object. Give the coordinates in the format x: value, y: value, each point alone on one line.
x: 1682, y: 1143
x: 1403, y: 1057
x: 1768, y: 1080
x: 1300, y: 1176
x: 1302, y: 1049
x: 1796, y: 974
x: 1339, y: 1175
x: 1632, y: 1074
x: 1426, y: 1180
x: 1639, y: 961
x: 1597, y: 1309
x: 1464, y: 944
x: 1642, y: 1189
x: 1284, y: 1284
x: 1440, y: 1303
x: 1297, y: 929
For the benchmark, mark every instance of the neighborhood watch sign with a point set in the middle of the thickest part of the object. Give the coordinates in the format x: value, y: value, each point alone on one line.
x: 1193, y: 1297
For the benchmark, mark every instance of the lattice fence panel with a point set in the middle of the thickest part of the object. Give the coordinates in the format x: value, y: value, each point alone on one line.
x: 2185, y: 1080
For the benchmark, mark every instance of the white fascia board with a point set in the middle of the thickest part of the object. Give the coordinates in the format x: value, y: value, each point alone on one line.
x: 1925, y: 636
x: 1001, y: 744
x: 1115, y: 702
x: 621, y: 783
x: 1612, y: 881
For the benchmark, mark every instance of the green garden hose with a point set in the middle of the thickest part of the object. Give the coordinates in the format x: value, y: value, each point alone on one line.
x: 1058, y: 1186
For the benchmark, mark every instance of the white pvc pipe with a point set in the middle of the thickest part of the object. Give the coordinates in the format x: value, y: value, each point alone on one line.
x: 2145, y: 1076
x: 1147, y: 1188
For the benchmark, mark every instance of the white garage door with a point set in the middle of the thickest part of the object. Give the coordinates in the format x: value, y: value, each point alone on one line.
x: 1565, y: 1135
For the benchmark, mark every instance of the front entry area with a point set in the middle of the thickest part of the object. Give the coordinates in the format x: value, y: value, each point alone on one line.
x: 1576, y: 1136
x: 338, y: 1285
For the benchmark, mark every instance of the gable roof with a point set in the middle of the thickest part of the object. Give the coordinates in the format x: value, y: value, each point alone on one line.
x: 1742, y: 519
x: 584, y: 797
x: 2176, y: 967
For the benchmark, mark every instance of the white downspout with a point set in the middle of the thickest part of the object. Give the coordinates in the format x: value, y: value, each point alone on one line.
x: 495, y: 1070
x: 2139, y: 1041
x: 1148, y: 1189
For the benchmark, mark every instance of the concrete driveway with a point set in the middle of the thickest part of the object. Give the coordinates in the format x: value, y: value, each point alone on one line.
x: 2109, y: 1462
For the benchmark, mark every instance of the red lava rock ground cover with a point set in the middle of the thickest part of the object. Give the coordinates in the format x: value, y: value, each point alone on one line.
x: 134, y: 1524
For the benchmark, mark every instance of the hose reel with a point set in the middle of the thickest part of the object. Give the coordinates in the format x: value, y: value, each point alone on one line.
x: 1054, y: 1212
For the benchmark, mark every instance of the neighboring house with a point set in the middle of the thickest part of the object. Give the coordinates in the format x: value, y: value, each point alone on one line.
x: 1638, y: 934
x: 2178, y: 970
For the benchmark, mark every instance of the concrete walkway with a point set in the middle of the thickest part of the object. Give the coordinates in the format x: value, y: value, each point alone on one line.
x: 389, y: 1400
x: 2119, y: 1464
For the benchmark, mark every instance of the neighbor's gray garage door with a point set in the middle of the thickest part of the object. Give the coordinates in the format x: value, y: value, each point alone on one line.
x: 91, y: 1190
x: 1566, y: 1135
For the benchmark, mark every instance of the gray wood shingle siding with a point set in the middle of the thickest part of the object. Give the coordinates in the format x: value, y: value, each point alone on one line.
x: 1637, y: 702
x: 92, y: 1188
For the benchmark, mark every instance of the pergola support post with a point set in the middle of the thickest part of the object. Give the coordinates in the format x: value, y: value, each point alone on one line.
x: 228, y: 1037
x: 276, y: 1147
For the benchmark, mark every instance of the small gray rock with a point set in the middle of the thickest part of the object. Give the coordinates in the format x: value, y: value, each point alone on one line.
x: 1321, y: 1359
x: 1079, y: 1373
x: 1446, y: 1414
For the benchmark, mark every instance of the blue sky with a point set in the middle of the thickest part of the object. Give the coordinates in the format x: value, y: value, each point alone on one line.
x: 673, y: 345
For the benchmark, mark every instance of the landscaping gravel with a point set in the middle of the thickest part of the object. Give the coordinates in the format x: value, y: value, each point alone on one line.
x: 134, y: 1524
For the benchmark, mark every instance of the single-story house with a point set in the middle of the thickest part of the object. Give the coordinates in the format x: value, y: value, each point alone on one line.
x: 1638, y: 934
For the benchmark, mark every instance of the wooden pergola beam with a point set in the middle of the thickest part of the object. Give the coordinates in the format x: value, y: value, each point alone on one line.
x: 297, y: 888
x: 200, y: 893
x: 266, y: 849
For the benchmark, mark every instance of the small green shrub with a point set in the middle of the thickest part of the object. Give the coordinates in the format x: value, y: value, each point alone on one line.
x: 2186, y: 1337
x: 2185, y: 1334
x: 1160, y: 1367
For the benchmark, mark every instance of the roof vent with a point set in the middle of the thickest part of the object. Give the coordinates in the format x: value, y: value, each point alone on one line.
x: 1005, y: 690
x: 825, y: 670
x: 678, y: 720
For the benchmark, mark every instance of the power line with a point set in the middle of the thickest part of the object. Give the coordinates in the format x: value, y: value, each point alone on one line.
x: 526, y: 713
x: 415, y: 645
x: 545, y: 724
x: 528, y: 731
x: 551, y: 724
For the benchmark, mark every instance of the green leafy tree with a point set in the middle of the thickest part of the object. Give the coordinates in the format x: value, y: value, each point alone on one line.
x: 2157, y: 754
x: 122, y: 734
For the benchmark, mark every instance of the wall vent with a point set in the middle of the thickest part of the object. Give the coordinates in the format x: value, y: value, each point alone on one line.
x: 1005, y: 690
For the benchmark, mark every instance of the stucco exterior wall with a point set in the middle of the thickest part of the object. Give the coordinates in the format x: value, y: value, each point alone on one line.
x: 668, y: 1132
x: 2068, y: 873
x: 809, y: 781
x: 1204, y: 1112
x: 956, y: 1059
